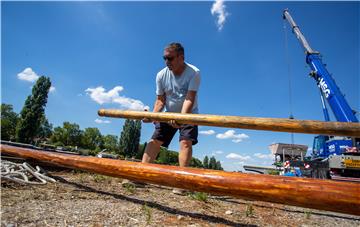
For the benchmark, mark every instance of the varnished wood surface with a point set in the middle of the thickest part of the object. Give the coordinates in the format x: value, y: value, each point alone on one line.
x: 343, y: 197
x: 255, y: 123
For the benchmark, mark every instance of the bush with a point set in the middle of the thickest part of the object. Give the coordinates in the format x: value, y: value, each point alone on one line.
x: 200, y: 196
x: 274, y: 172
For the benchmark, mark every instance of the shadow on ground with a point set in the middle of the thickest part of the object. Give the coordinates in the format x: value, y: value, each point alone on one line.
x: 208, y: 218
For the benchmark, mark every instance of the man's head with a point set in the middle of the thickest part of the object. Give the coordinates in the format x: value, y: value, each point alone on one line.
x: 174, y: 57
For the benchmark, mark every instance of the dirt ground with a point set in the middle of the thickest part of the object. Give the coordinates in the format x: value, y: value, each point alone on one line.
x: 84, y: 199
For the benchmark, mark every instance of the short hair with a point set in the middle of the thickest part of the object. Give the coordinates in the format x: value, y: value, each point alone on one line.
x: 177, y: 47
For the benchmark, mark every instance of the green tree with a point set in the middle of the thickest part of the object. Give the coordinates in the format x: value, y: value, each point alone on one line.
x: 163, y: 156
x: 9, y: 120
x: 110, y: 143
x: 125, y: 137
x: 218, y: 166
x: 45, y: 130
x: 137, y: 135
x: 168, y: 157
x: 194, y: 162
x: 73, y: 134
x: 69, y: 135
x: 33, y: 110
x: 92, y: 139
x: 58, y: 135
x: 206, y: 162
x: 130, y: 137
x: 141, y: 150
x: 212, y: 163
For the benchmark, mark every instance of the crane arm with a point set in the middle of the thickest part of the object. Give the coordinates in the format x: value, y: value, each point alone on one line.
x: 296, y: 30
x: 336, y: 100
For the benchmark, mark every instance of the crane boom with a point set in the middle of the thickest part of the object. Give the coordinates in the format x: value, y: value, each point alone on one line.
x: 336, y: 100
x: 298, y: 33
x: 334, y: 157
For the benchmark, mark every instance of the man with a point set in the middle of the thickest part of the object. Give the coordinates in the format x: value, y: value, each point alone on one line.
x: 177, y: 86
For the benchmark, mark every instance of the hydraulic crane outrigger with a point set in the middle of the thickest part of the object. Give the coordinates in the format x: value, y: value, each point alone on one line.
x: 328, y: 148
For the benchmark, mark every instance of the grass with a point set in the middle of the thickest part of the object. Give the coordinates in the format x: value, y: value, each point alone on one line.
x: 249, y: 212
x: 130, y: 188
x: 101, y: 178
x: 148, y: 213
x: 274, y: 172
x: 307, y: 214
x: 200, y: 196
x: 76, y: 171
x: 82, y: 178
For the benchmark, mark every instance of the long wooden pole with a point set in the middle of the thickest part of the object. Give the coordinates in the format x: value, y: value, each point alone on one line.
x: 343, y: 197
x: 256, y: 123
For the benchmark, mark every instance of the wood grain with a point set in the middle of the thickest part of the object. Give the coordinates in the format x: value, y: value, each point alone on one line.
x: 343, y: 197
x: 255, y: 123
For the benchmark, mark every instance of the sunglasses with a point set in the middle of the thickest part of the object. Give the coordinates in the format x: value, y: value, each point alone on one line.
x: 168, y: 58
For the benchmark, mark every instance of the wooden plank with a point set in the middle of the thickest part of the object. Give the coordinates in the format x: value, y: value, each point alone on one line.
x: 343, y: 197
x: 255, y: 123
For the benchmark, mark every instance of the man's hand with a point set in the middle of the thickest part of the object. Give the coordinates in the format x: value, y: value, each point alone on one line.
x: 174, y: 124
x: 146, y: 120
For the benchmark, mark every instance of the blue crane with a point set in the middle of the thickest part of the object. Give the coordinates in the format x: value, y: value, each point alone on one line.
x: 324, y: 146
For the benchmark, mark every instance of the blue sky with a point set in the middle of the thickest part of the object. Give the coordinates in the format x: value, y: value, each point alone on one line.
x: 107, y: 54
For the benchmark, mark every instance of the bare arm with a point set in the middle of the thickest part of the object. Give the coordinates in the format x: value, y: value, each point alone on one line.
x: 158, y: 106
x: 186, y: 108
x: 189, y: 102
x: 159, y: 103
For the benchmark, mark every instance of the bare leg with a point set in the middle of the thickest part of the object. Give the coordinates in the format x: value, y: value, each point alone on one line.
x: 151, y: 151
x: 184, y: 160
x: 185, y: 153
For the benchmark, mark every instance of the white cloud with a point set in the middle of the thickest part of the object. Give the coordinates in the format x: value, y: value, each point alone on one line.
x: 100, y: 96
x: 230, y: 134
x: 28, y: 75
x: 264, y: 156
x: 239, y: 163
x: 237, y: 156
x: 208, y: 132
x: 216, y: 153
x: 52, y: 89
x: 99, y: 121
x: 218, y: 8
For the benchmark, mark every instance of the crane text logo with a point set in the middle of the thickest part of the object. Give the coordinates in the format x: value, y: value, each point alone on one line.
x: 324, y: 87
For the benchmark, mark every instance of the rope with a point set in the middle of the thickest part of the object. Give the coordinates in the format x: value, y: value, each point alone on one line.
x: 289, y: 77
x: 23, y: 173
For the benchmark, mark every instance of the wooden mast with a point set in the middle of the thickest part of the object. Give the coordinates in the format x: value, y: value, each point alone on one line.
x: 256, y: 123
x: 343, y: 197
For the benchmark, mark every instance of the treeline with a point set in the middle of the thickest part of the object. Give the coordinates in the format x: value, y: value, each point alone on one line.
x: 211, y: 163
x: 32, y: 127
x: 27, y: 126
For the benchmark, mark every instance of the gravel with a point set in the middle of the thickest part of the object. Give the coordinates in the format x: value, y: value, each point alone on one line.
x: 84, y: 199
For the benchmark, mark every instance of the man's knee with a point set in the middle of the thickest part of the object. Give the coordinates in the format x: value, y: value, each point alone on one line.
x: 155, y: 142
x: 186, y: 143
